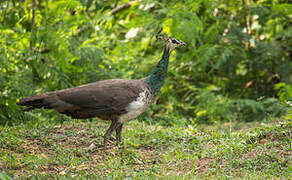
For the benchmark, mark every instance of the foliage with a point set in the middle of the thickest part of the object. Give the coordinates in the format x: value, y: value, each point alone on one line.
x: 47, y: 150
x: 237, y: 53
x: 285, y: 96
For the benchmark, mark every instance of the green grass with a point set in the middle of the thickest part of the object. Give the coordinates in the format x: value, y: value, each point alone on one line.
x: 46, y: 150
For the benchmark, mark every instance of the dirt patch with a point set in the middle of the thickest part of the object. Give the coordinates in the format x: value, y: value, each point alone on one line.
x: 250, y: 155
x: 197, y: 167
x: 203, y: 165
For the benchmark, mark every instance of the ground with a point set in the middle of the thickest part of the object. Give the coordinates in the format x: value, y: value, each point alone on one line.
x: 48, y: 150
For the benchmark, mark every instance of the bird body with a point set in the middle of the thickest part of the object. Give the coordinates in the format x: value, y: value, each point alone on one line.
x: 105, y: 99
x: 117, y: 100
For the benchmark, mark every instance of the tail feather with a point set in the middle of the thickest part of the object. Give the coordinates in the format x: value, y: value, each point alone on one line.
x: 34, y: 102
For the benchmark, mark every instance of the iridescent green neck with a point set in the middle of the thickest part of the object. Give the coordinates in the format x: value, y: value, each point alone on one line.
x: 156, y: 79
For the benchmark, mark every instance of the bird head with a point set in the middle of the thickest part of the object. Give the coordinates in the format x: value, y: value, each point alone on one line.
x: 171, y: 43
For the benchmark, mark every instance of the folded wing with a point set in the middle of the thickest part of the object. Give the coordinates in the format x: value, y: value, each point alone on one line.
x: 102, y: 99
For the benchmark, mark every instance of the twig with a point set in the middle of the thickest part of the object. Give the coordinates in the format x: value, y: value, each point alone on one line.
x: 122, y: 7
x: 42, y: 51
x: 247, y: 16
x: 32, y: 37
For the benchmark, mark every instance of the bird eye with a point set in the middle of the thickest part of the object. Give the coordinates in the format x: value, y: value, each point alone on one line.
x: 174, y: 41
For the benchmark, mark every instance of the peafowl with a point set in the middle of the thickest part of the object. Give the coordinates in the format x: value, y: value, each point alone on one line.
x: 116, y: 100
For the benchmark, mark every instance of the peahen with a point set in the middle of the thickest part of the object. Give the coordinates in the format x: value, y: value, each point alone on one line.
x: 117, y: 100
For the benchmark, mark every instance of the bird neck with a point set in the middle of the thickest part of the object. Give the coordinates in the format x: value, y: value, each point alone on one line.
x: 156, y: 79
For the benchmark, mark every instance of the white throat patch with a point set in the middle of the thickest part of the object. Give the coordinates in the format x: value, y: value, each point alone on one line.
x: 135, y: 108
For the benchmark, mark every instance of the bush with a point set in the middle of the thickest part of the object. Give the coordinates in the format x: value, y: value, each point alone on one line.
x: 236, y: 53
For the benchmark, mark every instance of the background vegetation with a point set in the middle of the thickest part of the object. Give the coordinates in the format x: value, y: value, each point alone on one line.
x: 236, y: 68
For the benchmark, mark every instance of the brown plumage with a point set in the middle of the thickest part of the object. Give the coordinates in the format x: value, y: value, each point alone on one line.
x: 104, y: 99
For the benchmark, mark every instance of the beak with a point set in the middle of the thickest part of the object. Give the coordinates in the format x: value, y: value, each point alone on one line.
x: 180, y: 42
x: 184, y: 44
x: 177, y: 41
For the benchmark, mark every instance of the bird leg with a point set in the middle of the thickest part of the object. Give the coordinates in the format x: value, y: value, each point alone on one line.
x: 115, y: 124
x: 119, y: 134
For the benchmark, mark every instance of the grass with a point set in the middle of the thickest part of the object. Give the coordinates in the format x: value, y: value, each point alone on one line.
x: 48, y: 150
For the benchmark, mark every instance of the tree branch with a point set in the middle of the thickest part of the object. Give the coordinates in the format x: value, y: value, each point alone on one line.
x: 122, y: 7
x: 32, y: 37
x: 42, y: 51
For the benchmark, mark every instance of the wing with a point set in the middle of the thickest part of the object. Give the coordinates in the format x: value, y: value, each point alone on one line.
x: 103, y: 99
